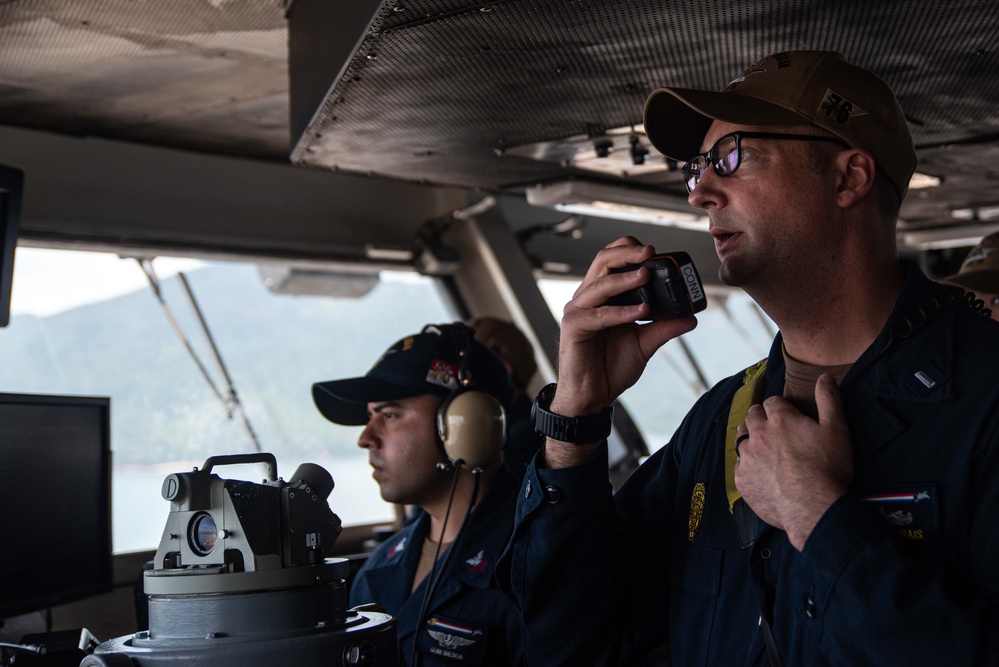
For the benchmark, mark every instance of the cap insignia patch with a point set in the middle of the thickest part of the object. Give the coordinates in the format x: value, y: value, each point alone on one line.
x: 443, y: 373
x: 839, y: 109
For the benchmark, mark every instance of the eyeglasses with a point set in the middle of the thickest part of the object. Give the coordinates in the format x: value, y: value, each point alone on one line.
x: 726, y: 155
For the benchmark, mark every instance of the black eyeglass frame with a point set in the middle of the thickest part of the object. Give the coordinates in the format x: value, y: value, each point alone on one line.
x: 712, y: 157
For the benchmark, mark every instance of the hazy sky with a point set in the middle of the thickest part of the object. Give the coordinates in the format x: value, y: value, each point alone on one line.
x: 47, y: 282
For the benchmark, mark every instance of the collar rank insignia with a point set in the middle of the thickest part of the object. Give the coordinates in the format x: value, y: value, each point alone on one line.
x: 397, y: 549
x: 477, y: 563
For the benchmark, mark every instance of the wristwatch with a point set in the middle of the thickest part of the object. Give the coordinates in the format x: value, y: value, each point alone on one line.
x: 577, y: 430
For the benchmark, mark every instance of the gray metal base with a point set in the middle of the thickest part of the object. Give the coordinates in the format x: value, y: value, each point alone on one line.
x: 370, y: 640
x: 293, y: 626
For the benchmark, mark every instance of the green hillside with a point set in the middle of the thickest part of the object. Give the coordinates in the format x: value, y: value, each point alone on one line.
x: 274, y: 347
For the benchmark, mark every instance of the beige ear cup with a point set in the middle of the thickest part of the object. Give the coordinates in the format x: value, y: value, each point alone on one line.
x: 472, y: 428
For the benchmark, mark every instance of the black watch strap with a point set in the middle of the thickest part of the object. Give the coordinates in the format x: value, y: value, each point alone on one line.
x: 577, y: 430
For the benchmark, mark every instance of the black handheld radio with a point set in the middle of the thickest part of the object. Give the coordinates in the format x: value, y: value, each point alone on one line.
x: 675, y: 289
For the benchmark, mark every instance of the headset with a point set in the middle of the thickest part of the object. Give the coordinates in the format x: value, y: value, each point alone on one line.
x: 471, y: 431
x: 471, y: 421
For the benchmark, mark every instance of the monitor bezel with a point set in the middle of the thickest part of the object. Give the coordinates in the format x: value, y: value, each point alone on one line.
x: 11, y: 193
x: 103, y: 582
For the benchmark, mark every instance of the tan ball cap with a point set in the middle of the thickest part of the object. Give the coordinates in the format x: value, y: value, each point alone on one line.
x: 791, y: 88
x: 980, y: 270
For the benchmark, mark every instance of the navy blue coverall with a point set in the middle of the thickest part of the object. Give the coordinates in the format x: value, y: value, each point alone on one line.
x: 469, y: 620
x: 903, y: 570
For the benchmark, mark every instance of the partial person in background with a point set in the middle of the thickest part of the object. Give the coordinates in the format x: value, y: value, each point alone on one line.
x: 433, y: 410
x: 512, y: 346
x: 979, y: 273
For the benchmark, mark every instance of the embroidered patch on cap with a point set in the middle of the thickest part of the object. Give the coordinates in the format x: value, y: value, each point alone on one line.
x: 838, y: 109
x: 443, y: 373
x: 454, y: 640
x: 911, y: 510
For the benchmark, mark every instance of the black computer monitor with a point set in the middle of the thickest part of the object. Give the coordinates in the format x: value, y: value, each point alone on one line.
x: 11, y: 184
x: 55, y: 500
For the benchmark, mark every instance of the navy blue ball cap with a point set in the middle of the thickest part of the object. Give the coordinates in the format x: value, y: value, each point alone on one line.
x: 424, y: 363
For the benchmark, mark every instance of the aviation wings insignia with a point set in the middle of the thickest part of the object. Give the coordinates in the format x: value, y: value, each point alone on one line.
x: 450, y: 641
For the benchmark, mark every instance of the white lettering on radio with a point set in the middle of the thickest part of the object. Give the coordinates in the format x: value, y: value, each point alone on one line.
x: 691, y: 281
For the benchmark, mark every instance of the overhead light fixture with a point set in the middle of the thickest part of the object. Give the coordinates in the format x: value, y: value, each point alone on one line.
x: 923, y: 181
x: 300, y: 281
x: 619, y: 203
x: 388, y: 253
x: 990, y: 212
x: 622, y: 152
x: 946, y: 237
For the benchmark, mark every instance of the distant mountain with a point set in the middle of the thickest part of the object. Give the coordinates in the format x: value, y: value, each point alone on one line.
x: 274, y: 347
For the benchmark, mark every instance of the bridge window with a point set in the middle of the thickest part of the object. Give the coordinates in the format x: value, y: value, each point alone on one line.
x: 731, y: 334
x: 88, y: 323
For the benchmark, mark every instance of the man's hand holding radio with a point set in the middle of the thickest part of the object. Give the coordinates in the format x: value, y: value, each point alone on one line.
x: 602, y: 351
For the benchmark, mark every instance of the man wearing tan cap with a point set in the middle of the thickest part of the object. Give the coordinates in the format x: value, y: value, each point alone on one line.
x: 834, y: 504
x: 979, y: 273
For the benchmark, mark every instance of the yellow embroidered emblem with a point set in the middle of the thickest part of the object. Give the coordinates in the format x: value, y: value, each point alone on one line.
x: 696, y: 510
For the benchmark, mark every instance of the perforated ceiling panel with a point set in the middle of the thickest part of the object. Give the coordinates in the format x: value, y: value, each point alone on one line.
x: 207, y: 75
x: 446, y: 92
x: 486, y: 95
